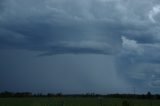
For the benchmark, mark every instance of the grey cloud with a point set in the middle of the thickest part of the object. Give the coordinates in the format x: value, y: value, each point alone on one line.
x: 155, y: 83
x: 84, y: 47
x: 75, y: 21
x: 43, y: 26
x: 140, y: 52
x: 87, y: 27
x: 60, y: 27
x: 1, y: 4
x: 138, y: 62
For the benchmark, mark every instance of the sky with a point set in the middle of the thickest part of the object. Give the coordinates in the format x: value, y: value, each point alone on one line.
x: 80, y: 46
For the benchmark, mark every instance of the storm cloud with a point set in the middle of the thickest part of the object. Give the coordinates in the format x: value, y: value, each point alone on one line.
x: 41, y: 26
x: 127, y: 32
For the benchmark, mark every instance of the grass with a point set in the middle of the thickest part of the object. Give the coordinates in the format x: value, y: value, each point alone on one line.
x: 77, y: 101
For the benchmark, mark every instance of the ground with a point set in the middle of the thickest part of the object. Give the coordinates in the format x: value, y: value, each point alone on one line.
x: 76, y: 101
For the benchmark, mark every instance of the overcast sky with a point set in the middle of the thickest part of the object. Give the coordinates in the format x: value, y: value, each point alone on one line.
x: 79, y: 46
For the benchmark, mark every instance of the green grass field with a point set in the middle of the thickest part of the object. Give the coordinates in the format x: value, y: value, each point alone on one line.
x: 77, y: 101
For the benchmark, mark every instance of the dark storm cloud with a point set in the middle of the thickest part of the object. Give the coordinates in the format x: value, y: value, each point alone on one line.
x: 40, y: 26
x: 126, y: 29
x: 84, y: 47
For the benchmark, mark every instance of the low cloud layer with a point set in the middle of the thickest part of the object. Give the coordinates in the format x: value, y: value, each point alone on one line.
x: 83, y: 47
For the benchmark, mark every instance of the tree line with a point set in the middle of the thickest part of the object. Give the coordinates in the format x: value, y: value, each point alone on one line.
x: 148, y: 95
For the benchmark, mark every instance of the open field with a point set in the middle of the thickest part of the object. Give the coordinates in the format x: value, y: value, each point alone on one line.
x: 77, y: 101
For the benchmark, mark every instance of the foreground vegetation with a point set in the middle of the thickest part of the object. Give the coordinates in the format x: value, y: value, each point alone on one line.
x: 76, y: 101
x: 89, y: 99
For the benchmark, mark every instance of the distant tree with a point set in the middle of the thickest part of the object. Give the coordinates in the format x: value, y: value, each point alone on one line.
x: 50, y: 95
x: 6, y: 94
x: 23, y: 94
x: 149, y: 95
x: 59, y: 94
